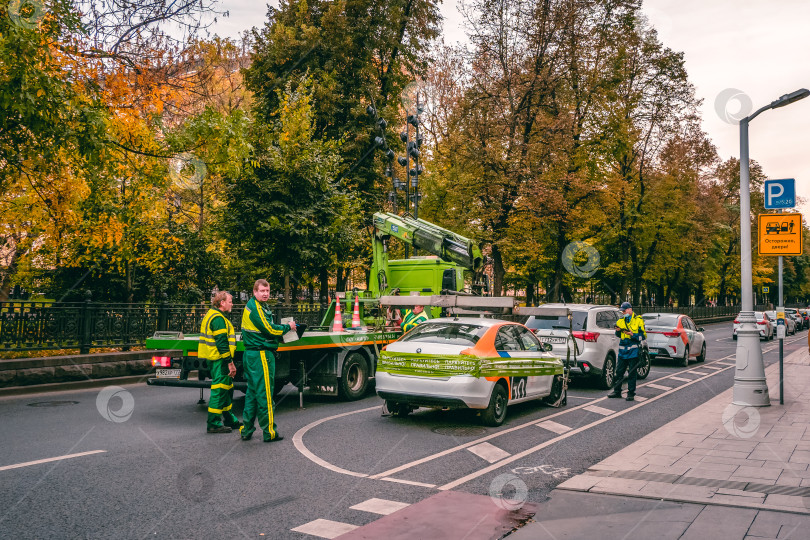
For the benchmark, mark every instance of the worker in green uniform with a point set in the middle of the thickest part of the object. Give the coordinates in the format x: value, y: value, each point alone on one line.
x: 217, y: 346
x: 414, y: 317
x: 260, y: 337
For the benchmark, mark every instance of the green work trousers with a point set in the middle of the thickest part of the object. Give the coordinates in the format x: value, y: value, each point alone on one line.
x: 221, y: 400
x: 260, y: 372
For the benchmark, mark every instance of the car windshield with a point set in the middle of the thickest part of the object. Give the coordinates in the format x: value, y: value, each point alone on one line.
x: 446, y: 333
x: 760, y: 315
x: 540, y: 322
x: 662, y: 319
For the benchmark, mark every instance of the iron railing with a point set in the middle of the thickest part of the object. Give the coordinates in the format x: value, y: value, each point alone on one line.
x: 30, y: 326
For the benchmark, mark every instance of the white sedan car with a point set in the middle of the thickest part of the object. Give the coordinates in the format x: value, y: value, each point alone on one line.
x: 483, y: 364
x: 670, y: 335
x: 766, y: 331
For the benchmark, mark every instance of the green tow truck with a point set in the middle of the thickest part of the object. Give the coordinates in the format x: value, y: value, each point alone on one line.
x: 343, y: 363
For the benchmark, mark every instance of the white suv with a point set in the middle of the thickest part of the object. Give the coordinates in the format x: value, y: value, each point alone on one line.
x: 597, y: 346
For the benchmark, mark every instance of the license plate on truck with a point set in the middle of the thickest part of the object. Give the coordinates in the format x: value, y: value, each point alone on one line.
x: 167, y: 373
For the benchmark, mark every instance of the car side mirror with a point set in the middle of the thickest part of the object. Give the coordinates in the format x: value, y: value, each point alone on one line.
x: 546, y: 347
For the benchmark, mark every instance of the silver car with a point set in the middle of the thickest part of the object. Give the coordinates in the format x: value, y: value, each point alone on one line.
x: 766, y: 332
x: 597, y: 346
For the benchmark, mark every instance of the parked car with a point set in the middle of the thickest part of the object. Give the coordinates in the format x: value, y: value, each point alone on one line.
x: 798, y: 319
x: 594, y: 349
x: 790, y: 323
x: 474, y: 363
x: 763, y: 324
x: 805, y: 318
x: 670, y: 335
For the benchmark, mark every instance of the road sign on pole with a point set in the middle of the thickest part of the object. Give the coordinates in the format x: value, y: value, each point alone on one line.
x: 780, y: 193
x: 780, y: 234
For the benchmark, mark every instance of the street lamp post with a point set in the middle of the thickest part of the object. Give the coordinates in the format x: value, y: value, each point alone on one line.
x: 750, y: 386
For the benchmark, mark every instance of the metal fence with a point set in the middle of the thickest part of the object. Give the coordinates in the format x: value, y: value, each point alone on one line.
x: 29, y: 326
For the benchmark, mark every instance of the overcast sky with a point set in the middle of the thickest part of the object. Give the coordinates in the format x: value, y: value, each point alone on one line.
x: 756, y: 49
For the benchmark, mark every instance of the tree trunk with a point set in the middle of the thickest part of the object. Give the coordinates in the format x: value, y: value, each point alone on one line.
x: 323, y: 278
x: 498, y: 271
x: 287, y: 286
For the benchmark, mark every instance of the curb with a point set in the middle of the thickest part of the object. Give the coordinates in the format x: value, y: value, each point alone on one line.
x: 69, y: 386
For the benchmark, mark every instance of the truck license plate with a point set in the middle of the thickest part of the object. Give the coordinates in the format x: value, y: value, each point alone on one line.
x: 167, y: 373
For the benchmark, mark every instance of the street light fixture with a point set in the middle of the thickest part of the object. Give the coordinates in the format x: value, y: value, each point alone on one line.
x: 750, y: 386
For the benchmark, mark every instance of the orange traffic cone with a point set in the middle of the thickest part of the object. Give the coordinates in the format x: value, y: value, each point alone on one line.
x: 337, y: 324
x: 356, y: 315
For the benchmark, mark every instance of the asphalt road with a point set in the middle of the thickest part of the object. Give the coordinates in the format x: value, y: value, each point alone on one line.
x: 146, y: 468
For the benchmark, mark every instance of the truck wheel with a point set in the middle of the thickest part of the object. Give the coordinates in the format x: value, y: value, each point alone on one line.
x: 495, y: 414
x: 608, y: 372
x: 353, y: 381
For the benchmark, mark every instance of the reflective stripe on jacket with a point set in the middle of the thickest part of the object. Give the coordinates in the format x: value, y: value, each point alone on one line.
x: 411, y: 320
x: 628, y: 345
x: 259, y: 333
x: 217, y: 336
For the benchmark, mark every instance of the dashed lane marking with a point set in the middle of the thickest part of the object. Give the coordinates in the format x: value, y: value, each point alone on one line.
x: 679, y: 379
x: 489, y: 452
x: 641, y: 398
x: 408, y: 482
x: 554, y: 427
x: 599, y: 410
x: 48, y: 460
x: 379, y: 506
x: 325, y: 528
x: 659, y: 386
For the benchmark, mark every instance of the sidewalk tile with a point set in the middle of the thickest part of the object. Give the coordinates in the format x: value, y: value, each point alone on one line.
x: 738, y: 446
x: 741, y: 478
x: 788, y: 466
x: 758, y: 472
x: 800, y: 456
x: 719, y: 453
x: 786, y: 479
x: 779, y: 455
x: 732, y: 461
x: 772, y: 525
x: 705, y: 472
x: 672, y: 469
x: 580, y: 483
x: 740, y: 493
x: 787, y: 501
x: 737, y: 500
x: 672, y: 451
x: 733, y: 522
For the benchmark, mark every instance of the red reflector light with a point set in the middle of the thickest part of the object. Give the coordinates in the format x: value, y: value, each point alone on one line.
x: 590, y: 337
x: 671, y: 334
x: 762, y: 322
x: 162, y: 361
x: 736, y: 321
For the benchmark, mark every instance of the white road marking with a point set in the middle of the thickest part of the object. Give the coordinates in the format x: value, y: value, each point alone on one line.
x: 599, y: 410
x: 325, y: 528
x: 641, y: 398
x: 409, y: 482
x: 489, y: 452
x: 554, y: 426
x: 521, y: 455
x: 712, y: 367
x: 674, y: 378
x: 298, y: 441
x: 659, y: 386
x: 48, y: 460
x: 379, y: 506
x: 699, y: 373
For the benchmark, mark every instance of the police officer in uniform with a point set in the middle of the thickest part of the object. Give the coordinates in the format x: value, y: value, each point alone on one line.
x: 260, y: 337
x: 630, y: 328
x: 217, y: 346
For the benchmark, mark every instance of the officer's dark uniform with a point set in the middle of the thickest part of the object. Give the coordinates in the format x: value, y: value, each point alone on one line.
x: 631, y: 331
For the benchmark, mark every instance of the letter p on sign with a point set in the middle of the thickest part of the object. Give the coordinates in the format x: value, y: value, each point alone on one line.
x: 780, y: 193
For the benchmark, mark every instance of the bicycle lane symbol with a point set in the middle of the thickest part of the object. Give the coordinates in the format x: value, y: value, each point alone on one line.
x: 557, y: 472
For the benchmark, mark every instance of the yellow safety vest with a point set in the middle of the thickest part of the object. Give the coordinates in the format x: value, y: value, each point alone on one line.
x: 208, y: 338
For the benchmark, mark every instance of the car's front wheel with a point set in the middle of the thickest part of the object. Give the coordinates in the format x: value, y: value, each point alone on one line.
x: 608, y: 372
x: 495, y: 414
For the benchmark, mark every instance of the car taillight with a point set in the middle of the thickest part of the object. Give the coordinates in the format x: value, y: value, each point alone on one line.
x: 671, y: 334
x: 162, y: 361
x: 762, y: 322
x: 534, y: 330
x: 590, y: 337
x: 736, y: 321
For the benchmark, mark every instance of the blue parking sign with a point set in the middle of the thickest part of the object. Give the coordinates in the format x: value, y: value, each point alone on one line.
x: 780, y: 193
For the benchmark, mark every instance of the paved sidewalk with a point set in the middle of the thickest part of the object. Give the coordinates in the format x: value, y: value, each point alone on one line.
x: 721, y: 470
